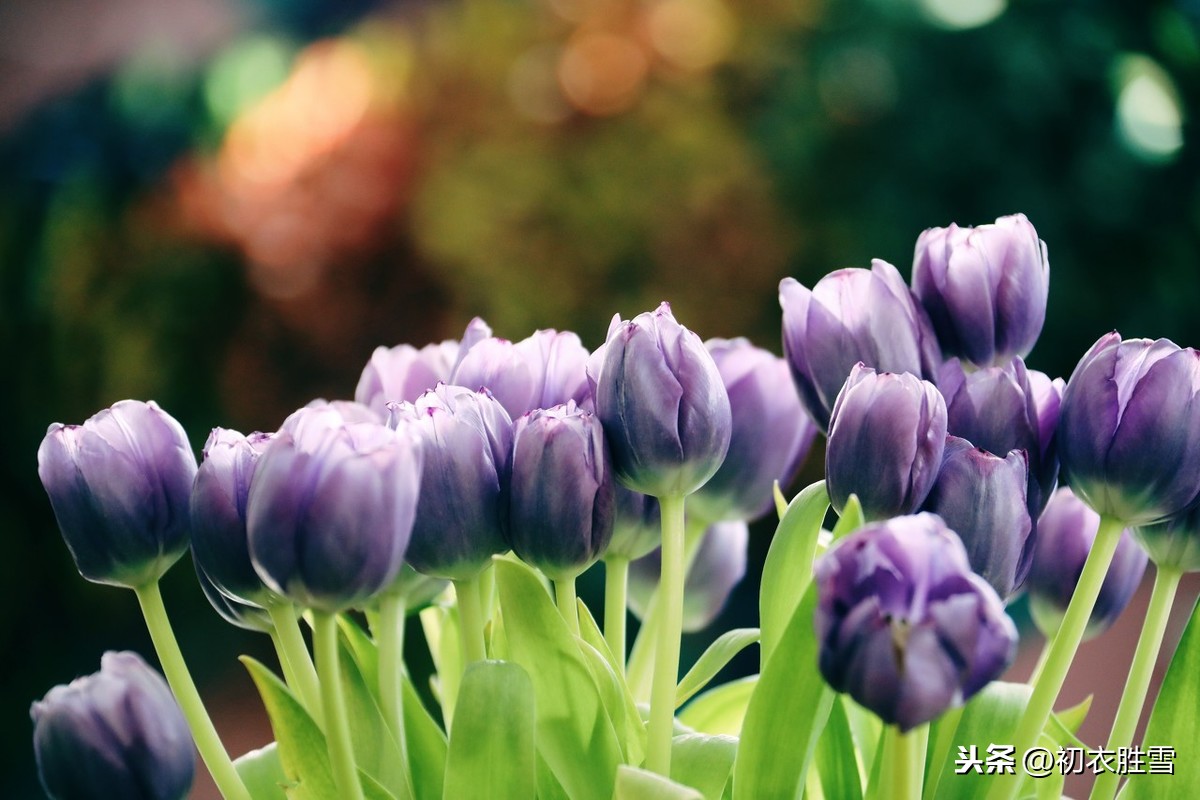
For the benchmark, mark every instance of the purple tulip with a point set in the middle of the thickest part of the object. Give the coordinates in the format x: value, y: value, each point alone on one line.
x: 1066, y: 531
x: 545, y: 370
x: 235, y: 612
x: 561, y: 511
x: 719, y: 566
x: 1129, y: 429
x: 116, y: 733
x: 905, y: 627
x: 985, y: 288
x: 663, y: 404
x: 1174, y: 543
x: 771, y: 434
x: 462, y: 517
x: 637, y: 524
x: 997, y: 409
x: 331, y: 508
x: 886, y: 438
x: 218, y: 513
x: 119, y: 485
x: 403, y: 373
x: 852, y: 315
x: 982, y: 497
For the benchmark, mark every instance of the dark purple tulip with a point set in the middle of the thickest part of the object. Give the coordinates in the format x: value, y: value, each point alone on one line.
x: 235, y: 612
x: 462, y: 517
x: 982, y: 497
x: 852, y: 315
x: 403, y: 373
x: 218, y: 512
x: 331, y: 508
x: 637, y: 524
x: 1175, y: 542
x: 116, y: 733
x: 997, y: 409
x: 886, y: 438
x: 119, y: 485
x: 905, y: 627
x: 1129, y: 429
x: 719, y: 566
x: 663, y: 404
x: 985, y: 288
x: 771, y: 433
x: 1066, y: 531
x: 561, y: 511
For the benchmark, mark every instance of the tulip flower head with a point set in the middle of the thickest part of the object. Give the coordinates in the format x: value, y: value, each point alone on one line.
x: 119, y: 485
x: 403, y: 373
x: 116, y: 733
x: 905, y: 627
x: 637, y: 524
x: 1174, y: 543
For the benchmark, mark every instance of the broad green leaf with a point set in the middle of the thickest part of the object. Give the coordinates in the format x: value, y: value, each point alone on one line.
x: 836, y: 758
x: 941, y: 749
x: 790, y: 704
x: 626, y: 720
x: 788, y: 568
x: 440, y: 624
x: 851, y: 519
x: 590, y: 632
x: 638, y: 784
x: 574, y: 732
x: 362, y: 647
x: 721, y: 709
x: 492, y: 752
x: 1175, y: 722
x: 703, y: 762
x: 986, y: 719
x: 713, y: 660
x: 262, y: 773
x: 376, y: 750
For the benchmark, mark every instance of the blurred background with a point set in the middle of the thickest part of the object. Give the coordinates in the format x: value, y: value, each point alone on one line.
x: 225, y: 205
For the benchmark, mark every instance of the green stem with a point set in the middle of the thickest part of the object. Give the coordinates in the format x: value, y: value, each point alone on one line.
x: 564, y: 594
x: 903, y: 763
x: 1062, y: 651
x: 229, y: 783
x: 666, y: 656
x: 1041, y: 663
x: 389, y: 636
x: 616, y: 587
x: 337, y: 719
x: 1166, y: 582
x: 285, y: 664
x: 304, y: 677
x: 470, y: 620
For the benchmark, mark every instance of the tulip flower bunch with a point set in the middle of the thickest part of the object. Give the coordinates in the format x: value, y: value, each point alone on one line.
x: 471, y: 482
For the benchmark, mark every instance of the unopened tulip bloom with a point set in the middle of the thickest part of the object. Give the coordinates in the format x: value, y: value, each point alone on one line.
x: 1129, y: 429
x: 663, y: 404
x: 1066, y: 531
x: 119, y: 485
x: 561, y: 511
x: 542, y: 371
x: 981, y: 497
x: 886, y: 439
x: 852, y: 315
x: 1174, y: 543
x: 558, y: 360
x: 403, y: 373
x: 905, y: 627
x: 235, y: 612
x: 637, y: 524
x: 771, y: 434
x: 116, y: 733
x: 498, y: 366
x: 331, y: 509
x: 985, y: 288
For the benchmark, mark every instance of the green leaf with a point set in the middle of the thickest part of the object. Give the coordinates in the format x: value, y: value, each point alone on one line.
x: 850, y: 520
x: 440, y: 624
x: 788, y: 568
x: 1072, y: 718
x: 866, y: 729
x: 1175, y: 722
x: 590, y: 632
x: 986, y: 718
x: 638, y: 784
x: 703, y: 762
x: 362, y: 647
x: 492, y: 752
x: 262, y: 772
x: 575, y: 735
x: 836, y: 758
x: 426, y: 745
x: 781, y: 502
x: 376, y: 751
x: 618, y: 703
x: 713, y: 660
x: 790, y: 704
x: 721, y: 709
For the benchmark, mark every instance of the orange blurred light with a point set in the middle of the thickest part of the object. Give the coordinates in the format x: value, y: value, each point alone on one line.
x: 602, y: 73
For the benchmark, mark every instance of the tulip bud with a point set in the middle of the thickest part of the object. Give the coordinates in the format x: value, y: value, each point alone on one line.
x: 905, y: 627
x: 719, y: 566
x: 119, y: 485
x: 462, y: 516
x: 982, y: 498
x: 558, y: 361
x: 886, y: 438
x: 1066, y: 531
x: 218, y: 513
x: 561, y: 516
x: 637, y: 524
x: 852, y: 315
x: 545, y: 370
x: 664, y: 408
x: 235, y: 612
x: 331, y: 509
x: 403, y: 373
x: 1129, y: 429
x: 1174, y: 543
x: 116, y: 733
x: 770, y: 437
x: 498, y: 366
x: 985, y: 288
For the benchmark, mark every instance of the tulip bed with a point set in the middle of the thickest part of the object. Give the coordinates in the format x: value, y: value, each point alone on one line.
x: 471, y: 482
